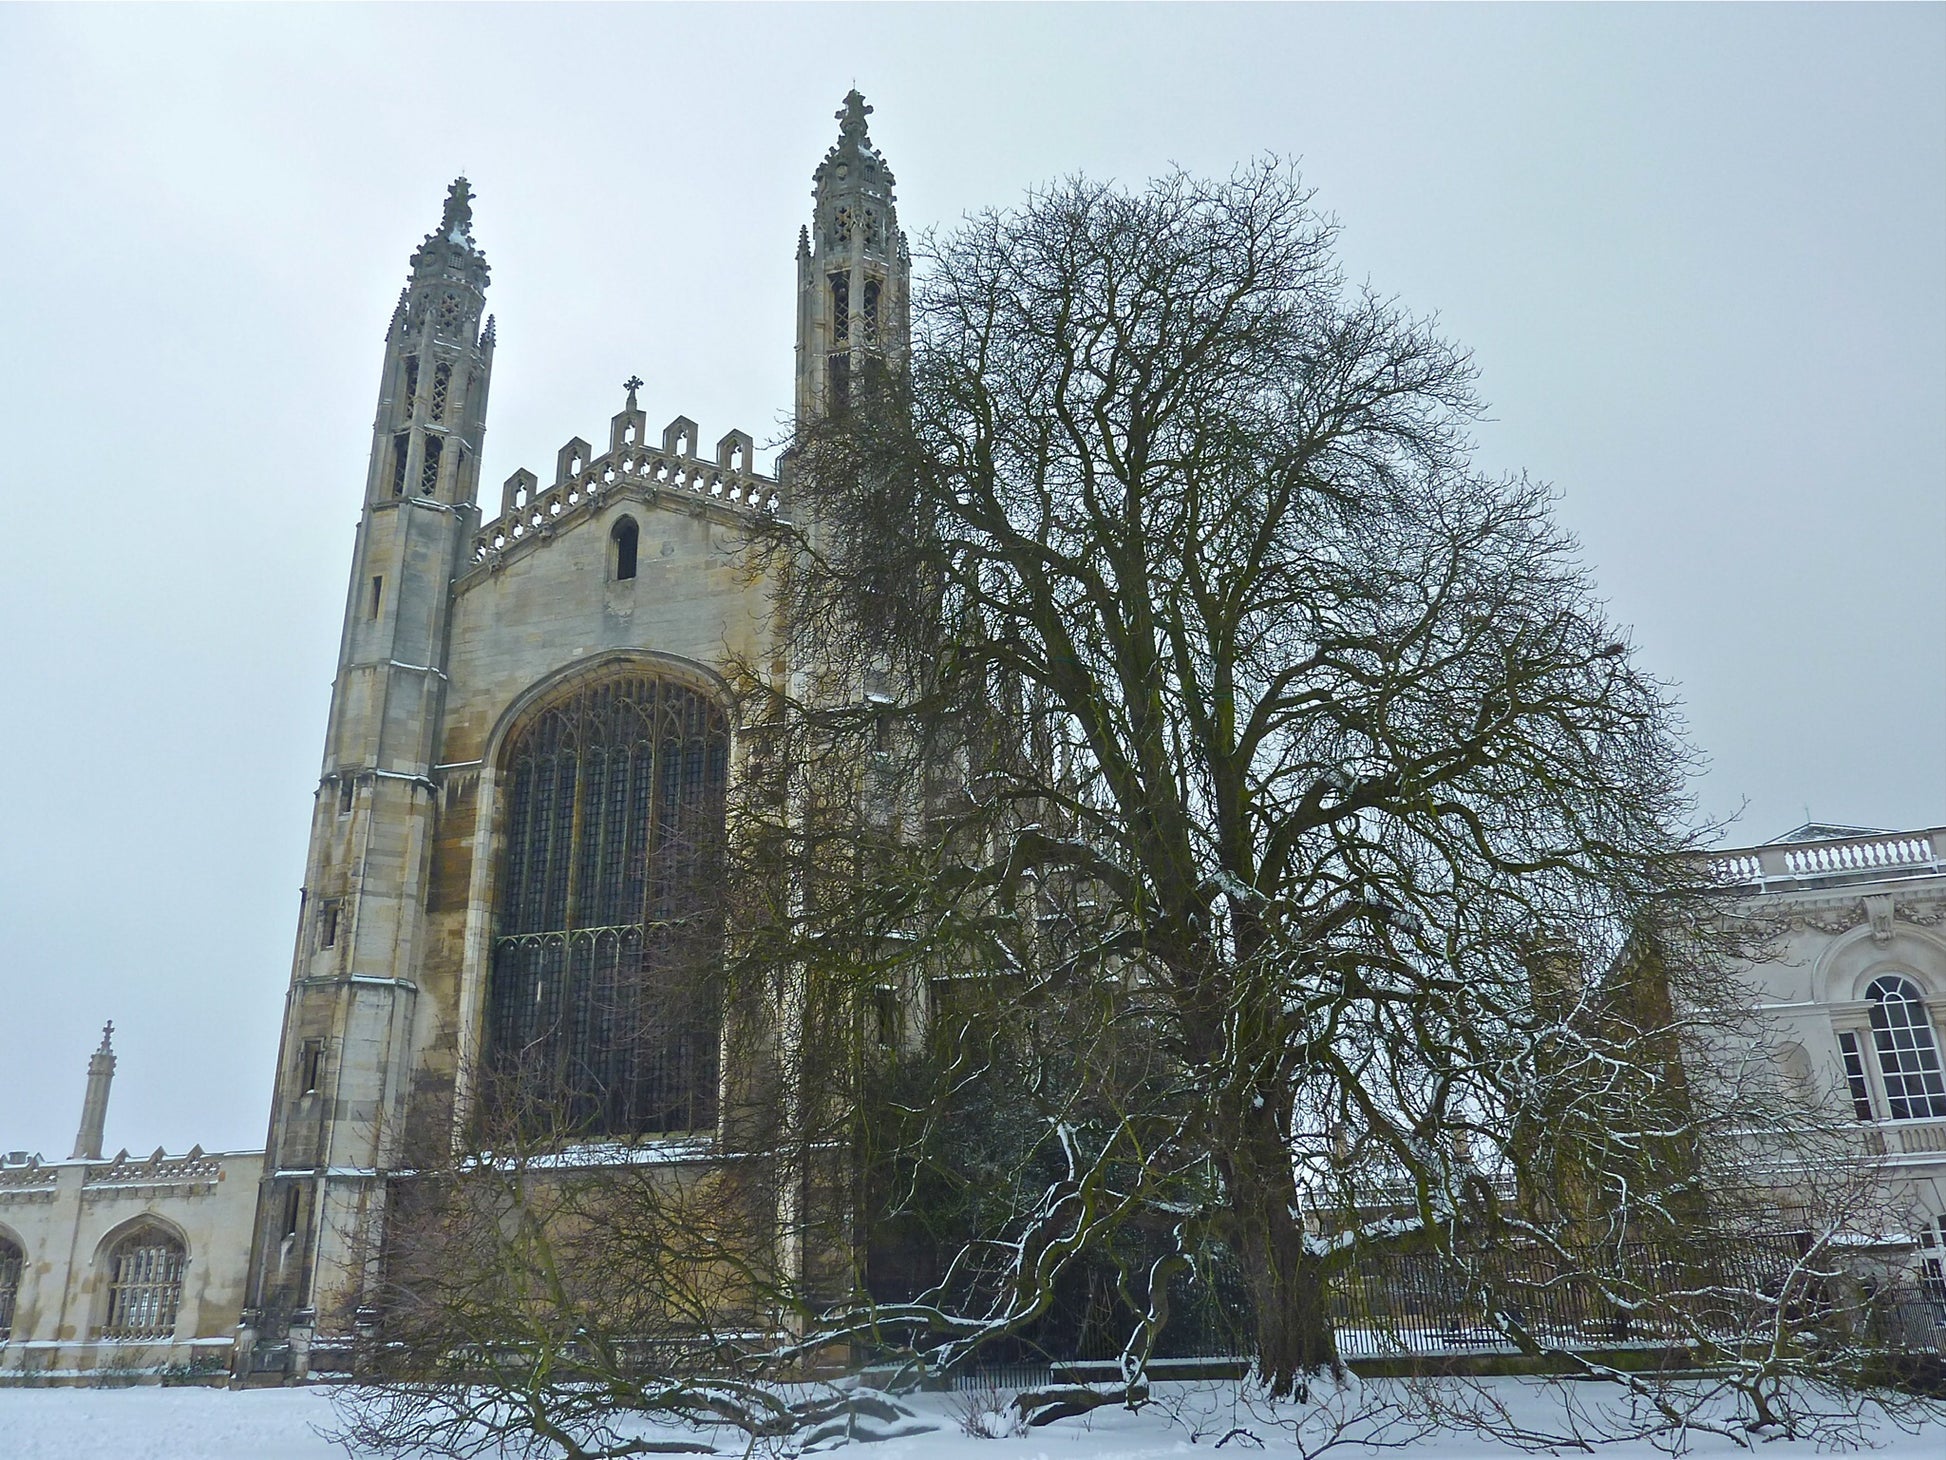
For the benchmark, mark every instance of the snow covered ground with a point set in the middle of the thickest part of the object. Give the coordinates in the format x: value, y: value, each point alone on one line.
x: 286, y: 1424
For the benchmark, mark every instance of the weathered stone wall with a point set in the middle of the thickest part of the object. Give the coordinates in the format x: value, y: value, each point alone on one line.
x: 66, y: 1216
x: 522, y: 626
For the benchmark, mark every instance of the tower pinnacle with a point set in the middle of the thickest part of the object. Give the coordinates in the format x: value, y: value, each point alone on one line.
x: 851, y: 116
x: 449, y: 252
x: 94, y: 1106
x: 853, y: 268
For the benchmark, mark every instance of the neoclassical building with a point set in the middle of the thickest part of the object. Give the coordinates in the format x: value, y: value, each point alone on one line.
x: 527, y: 753
x: 1852, y: 990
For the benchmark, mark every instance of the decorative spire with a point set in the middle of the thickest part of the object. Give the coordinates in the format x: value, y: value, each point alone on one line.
x: 94, y: 1107
x: 449, y: 250
x: 457, y: 221
x: 853, y: 160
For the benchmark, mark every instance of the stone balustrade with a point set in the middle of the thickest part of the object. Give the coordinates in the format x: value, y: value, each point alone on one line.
x: 1847, y: 859
x: 1916, y: 1137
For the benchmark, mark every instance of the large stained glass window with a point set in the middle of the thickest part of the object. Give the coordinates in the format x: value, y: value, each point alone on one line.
x: 602, y: 1005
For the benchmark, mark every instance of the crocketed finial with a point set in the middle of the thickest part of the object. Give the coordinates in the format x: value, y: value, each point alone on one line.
x: 449, y: 251
x: 851, y: 116
x: 457, y: 221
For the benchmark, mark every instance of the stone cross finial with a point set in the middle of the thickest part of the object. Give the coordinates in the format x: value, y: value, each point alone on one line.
x: 851, y: 116
x: 631, y: 385
x: 107, y: 1030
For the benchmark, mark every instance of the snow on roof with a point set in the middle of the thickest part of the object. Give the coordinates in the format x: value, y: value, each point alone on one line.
x: 1824, y: 831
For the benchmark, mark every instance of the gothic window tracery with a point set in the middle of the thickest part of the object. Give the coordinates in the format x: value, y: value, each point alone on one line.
x: 1908, y: 1052
x: 870, y: 310
x: 429, y: 467
x: 442, y: 379
x: 840, y: 226
x: 12, y: 1260
x: 601, y: 1012
x: 449, y: 312
x: 144, y: 1285
x: 841, y: 306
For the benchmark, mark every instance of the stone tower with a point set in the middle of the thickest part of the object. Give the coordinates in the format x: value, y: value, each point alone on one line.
x: 853, y: 268
x: 347, y: 1051
x: 530, y: 731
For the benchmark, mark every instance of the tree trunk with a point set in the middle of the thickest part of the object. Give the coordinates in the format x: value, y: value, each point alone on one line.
x: 1294, y: 1336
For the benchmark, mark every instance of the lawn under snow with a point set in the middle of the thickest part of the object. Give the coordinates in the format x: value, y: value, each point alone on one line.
x: 285, y: 1424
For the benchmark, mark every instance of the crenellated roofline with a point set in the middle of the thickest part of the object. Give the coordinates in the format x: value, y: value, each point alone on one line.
x: 531, y: 514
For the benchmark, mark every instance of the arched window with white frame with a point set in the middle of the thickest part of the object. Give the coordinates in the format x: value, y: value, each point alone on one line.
x: 1908, y: 1052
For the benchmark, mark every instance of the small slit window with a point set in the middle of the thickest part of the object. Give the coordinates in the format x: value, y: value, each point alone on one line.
x: 293, y: 1201
x: 627, y: 538
x: 344, y: 795
x: 328, y: 924
x: 378, y: 591
x: 310, y: 1067
x: 885, y: 1017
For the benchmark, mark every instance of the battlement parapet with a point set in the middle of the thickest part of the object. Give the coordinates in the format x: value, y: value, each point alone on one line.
x: 24, y: 1176
x: 529, y: 512
x: 158, y: 1172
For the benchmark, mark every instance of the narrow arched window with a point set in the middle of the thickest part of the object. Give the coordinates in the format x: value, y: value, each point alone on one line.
x: 144, y: 1286
x: 625, y: 536
x: 841, y: 306
x: 1908, y: 1054
x: 12, y: 1260
x: 871, y: 310
x: 602, y: 1012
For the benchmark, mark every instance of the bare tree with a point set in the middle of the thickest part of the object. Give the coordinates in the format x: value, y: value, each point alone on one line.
x: 1234, y: 707
x: 1194, y: 827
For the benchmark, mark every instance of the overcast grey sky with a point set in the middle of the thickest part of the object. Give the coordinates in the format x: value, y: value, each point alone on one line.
x: 1700, y: 255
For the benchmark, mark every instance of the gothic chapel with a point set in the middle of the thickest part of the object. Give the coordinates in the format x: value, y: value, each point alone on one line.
x: 528, y: 736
